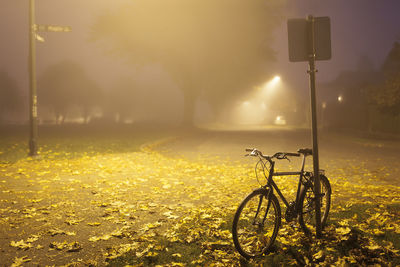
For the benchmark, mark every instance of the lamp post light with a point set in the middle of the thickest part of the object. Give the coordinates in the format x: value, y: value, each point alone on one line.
x: 340, y: 98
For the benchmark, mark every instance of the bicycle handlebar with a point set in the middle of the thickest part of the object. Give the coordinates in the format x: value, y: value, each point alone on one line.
x: 290, y: 154
x: 279, y: 155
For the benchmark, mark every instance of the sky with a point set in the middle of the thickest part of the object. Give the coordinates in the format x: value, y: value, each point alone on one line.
x: 358, y: 27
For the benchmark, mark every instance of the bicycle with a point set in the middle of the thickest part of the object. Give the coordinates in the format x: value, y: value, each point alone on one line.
x: 258, y: 217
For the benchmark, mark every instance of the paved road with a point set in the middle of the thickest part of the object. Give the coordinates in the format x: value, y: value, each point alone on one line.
x: 348, y: 154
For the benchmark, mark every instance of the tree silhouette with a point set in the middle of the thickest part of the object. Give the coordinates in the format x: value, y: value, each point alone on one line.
x: 213, y: 48
x: 10, y: 98
x: 64, y: 85
x: 120, y: 101
x: 386, y: 95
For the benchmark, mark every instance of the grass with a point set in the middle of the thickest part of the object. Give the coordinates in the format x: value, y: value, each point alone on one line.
x: 165, y: 252
x: 353, y: 246
x: 200, y: 234
x: 75, y: 141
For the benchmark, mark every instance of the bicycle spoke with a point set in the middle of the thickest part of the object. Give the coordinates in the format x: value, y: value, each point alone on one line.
x: 256, y: 224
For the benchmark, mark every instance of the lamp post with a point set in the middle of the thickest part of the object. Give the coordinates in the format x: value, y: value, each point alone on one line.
x: 32, y: 82
x: 33, y: 36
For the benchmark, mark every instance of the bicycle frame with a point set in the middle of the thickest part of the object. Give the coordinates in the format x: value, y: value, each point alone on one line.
x: 272, y: 185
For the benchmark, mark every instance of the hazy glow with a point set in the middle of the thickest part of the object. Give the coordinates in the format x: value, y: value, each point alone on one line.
x: 258, y: 106
x: 263, y: 106
x: 340, y: 98
x: 280, y: 120
x: 272, y: 85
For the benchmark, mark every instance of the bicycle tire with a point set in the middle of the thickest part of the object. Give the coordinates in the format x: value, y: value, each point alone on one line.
x: 307, y: 207
x: 264, y: 230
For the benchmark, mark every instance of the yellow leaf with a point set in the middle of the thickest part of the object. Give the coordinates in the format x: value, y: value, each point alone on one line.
x: 19, y: 261
x: 343, y: 230
x: 94, y: 224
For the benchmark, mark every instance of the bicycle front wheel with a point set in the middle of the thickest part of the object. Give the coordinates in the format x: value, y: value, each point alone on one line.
x: 307, y: 201
x: 256, y: 223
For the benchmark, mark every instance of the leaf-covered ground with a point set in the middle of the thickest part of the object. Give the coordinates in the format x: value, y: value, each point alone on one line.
x: 150, y: 199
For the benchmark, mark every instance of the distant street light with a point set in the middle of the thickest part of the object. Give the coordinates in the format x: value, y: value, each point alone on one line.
x: 340, y: 98
x: 323, y: 114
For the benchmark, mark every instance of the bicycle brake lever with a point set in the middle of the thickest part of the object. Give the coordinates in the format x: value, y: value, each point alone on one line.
x: 287, y: 158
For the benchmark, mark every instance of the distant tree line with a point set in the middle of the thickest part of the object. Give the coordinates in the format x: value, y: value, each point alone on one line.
x: 366, y: 98
x: 10, y: 97
x: 213, y: 50
x: 65, y: 85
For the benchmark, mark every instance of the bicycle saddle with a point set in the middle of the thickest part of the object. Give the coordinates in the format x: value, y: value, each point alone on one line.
x: 305, y: 151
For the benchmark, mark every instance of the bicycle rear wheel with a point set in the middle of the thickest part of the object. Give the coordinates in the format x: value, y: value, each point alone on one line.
x: 256, y: 224
x: 307, y: 204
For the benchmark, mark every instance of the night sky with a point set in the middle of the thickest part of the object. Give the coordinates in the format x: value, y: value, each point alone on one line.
x: 359, y: 27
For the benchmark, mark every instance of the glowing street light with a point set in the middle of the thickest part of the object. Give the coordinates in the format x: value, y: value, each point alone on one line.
x: 272, y: 84
x: 275, y: 80
x: 340, y: 98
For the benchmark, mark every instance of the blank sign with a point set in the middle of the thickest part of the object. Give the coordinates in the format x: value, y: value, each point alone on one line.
x: 300, y: 41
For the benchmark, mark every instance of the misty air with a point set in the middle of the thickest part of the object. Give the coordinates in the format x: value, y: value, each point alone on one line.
x: 199, y: 133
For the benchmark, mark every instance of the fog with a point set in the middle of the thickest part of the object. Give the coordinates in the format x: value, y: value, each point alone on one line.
x: 139, y: 152
x: 204, y: 63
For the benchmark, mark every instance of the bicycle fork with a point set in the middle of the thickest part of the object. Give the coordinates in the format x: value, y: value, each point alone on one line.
x: 259, y: 207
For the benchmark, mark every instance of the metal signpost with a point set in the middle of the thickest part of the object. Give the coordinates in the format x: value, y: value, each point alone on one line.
x: 33, y: 36
x: 32, y: 82
x: 309, y: 40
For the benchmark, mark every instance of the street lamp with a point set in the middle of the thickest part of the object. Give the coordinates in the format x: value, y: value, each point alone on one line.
x: 340, y: 98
